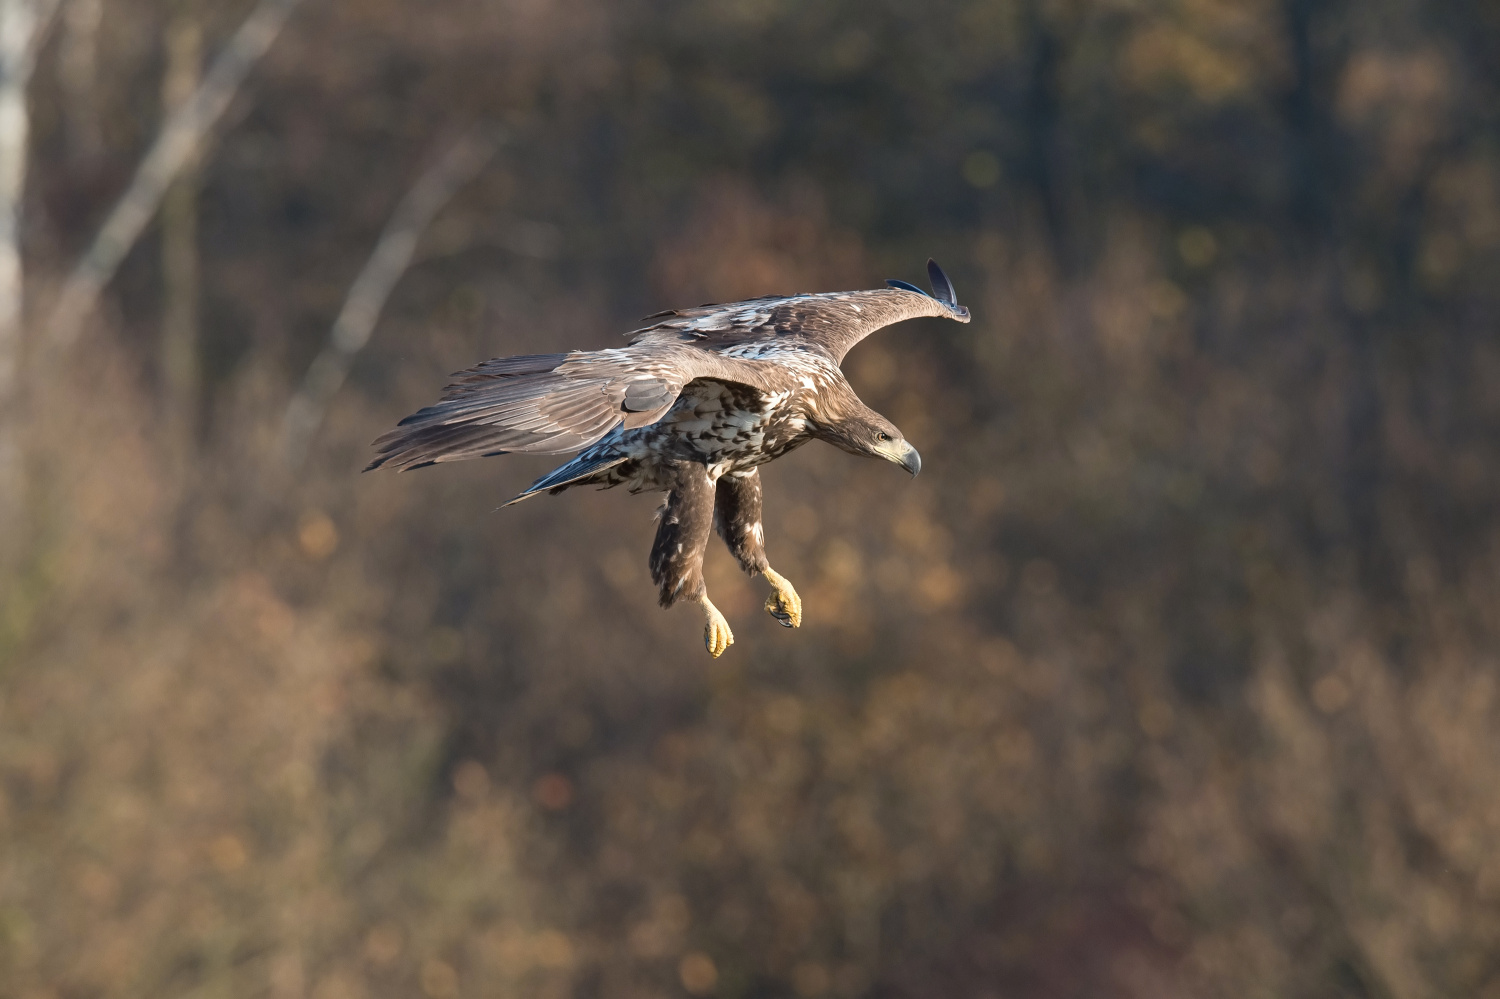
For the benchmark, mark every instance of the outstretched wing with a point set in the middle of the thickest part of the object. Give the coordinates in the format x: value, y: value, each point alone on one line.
x: 550, y: 403
x: 832, y: 321
x: 564, y: 402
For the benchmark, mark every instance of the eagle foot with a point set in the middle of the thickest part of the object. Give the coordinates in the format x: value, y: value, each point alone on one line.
x: 783, y: 604
x: 716, y: 634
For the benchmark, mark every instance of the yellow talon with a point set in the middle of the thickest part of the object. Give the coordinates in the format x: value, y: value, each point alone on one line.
x: 716, y: 634
x: 783, y: 604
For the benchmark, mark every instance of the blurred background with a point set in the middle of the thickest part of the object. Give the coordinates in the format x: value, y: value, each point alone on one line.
x: 1175, y: 673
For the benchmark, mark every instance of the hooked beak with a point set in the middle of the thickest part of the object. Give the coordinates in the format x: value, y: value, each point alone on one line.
x: 902, y: 454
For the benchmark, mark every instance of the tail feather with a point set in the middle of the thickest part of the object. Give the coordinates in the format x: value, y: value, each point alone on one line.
x: 575, y: 472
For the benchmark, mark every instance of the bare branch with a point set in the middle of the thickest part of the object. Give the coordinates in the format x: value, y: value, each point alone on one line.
x: 179, y: 246
x: 177, y: 142
x: 368, y: 294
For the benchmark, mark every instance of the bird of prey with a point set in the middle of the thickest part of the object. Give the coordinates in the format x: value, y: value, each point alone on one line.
x: 696, y: 403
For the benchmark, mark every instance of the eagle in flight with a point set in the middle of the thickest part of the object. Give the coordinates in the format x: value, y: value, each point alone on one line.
x: 697, y: 402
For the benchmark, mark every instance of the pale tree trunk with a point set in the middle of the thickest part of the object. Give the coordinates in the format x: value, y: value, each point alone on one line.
x: 179, y: 244
x: 176, y: 146
x: 21, y: 25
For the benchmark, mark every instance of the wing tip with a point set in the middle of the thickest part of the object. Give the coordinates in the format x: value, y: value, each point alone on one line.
x: 942, y: 288
x: 906, y: 286
x: 393, y: 459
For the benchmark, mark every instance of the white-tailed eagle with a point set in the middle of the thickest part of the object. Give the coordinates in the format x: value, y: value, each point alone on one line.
x: 697, y: 402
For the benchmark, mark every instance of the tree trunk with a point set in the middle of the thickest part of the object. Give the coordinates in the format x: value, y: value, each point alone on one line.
x: 20, y: 24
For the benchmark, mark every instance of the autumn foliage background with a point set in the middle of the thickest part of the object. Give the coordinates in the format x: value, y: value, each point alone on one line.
x: 1173, y: 675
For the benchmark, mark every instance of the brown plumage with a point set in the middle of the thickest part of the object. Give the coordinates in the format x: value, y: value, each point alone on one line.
x: 692, y: 407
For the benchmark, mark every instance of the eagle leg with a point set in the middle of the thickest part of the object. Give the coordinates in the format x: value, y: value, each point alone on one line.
x: 685, y: 521
x: 737, y: 519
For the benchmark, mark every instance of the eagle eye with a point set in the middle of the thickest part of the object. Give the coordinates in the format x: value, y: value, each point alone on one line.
x: 882, y: 436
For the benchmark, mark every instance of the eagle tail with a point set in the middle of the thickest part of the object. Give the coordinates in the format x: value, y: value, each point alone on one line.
x: 576, y: 472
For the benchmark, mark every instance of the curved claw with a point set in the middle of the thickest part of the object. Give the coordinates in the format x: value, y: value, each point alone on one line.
x: 716, y: 634
x: 783, y: 604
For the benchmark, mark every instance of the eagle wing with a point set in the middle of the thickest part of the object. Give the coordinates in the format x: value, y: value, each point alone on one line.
x: 550, y: 403
x: 831, y: 321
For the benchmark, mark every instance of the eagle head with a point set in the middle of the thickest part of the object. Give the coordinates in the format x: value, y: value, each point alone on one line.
x: 873, y: 436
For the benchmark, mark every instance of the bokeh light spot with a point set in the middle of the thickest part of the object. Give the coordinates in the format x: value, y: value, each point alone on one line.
x: 317, y: 535
x: 1165, y: 300
x: 981, y: 169
x: 552, y: 949
x: 810, y: 979
x: 698, y: 973
x: 1330, y: 694
x: 383, y: 944
x: 1197, y: 246
x: 228, y: 853
x: 1156, y: 719
x: 438, y: 979
x: 554, y: 792
x: 471, y: 780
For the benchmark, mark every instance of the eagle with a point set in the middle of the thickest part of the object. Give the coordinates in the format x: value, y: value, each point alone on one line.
x: 692, y: 407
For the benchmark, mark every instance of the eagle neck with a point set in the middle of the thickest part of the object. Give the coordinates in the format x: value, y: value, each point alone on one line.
x: 834, y: 405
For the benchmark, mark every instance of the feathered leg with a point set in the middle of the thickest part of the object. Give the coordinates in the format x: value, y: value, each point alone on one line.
x: 677, y: 554
x: 737, y: 519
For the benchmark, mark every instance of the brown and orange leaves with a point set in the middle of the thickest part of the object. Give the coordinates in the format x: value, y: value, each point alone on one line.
x: 1173, y: 674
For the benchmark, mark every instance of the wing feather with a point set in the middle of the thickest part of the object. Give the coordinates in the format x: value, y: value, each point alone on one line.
x: 832, y: 321
x: 557, y: 402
